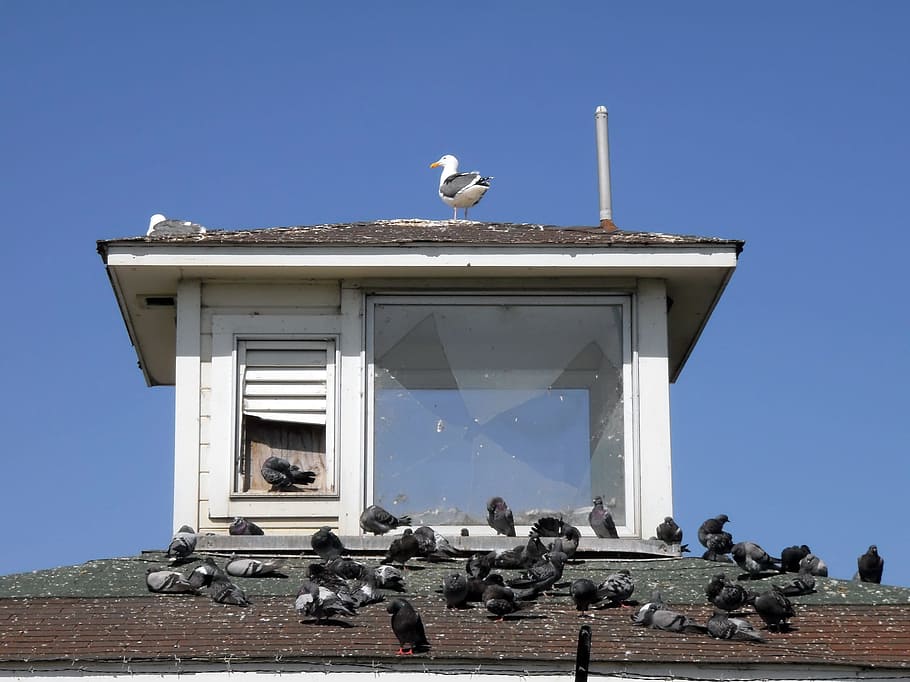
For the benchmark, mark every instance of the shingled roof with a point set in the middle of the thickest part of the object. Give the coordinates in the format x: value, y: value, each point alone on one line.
x: 99, y: 616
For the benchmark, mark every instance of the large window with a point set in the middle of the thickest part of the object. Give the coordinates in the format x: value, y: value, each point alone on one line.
x: 517, y: 396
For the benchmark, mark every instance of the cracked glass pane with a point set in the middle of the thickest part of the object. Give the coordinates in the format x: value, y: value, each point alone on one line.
x: 474, y: 400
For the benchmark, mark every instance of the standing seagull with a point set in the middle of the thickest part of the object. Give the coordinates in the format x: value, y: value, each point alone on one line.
x: 460, y: 190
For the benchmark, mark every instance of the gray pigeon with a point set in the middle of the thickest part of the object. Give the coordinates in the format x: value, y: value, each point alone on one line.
x: 715, y: 539
x: 568, y: 542
x: 801, y: 584
x: 543, y: 575
x: 500, y: 600
x: 669, y: 531
x: 652, y: 616
x: 162, y: 581
x: 376, y: 520
x: 753, y: 559
x: 870, y: 566
x: 321, y: 603
x: 791, y: 556
x: 433, y: 546
x: 721, y: 626
x: 183, y: 544
x: 326, y: 544
x: 499, y: 517
x: 408, y: 627
x: 205, y: 573
x: 242, y: 526
x: 347, y: 569
x: 711, y: 527
x: 455, y: 590
x: 253, y: 568
x: 522, y: 556
x: 223, y: 591
x: 389, y: 578
x: 813, y: 565
x: 774, y: 608
x: 726, y: 595
x: 403, y: 548
x: 617, y: 587
x: 601, y: 520
x: 282, y: 475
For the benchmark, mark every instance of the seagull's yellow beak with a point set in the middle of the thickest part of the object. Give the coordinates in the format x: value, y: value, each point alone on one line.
x: 434, y: 164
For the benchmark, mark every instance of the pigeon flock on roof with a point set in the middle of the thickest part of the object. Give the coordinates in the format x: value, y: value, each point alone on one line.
x: 337, y: 585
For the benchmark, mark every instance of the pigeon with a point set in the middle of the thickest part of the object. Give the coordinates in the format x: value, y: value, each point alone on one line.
x: 753, y: 559
x: 791, y: 556
x: 652, y: 616
x: 479, y: 565
x: 500, y: 600
x: 322, y: 575
x: 282, y: 475
x: 404, y: 547
x: 205, y: 573
x: 408, y: 627
x: 241, y: 526
x: 455, y: 590
x: 162, y: 581
x: 617, y: 587
x: 774, y: 608
x: 183, y: 544
x: 870, y: 566
x: 601, y: 520
x: 321, y: 603
x: 378, y: 521
x: 499, y: 517
x: 726, y: 595
x: 253, y: 568
x: 668, y: 531
x: 801, y: 584
x: 568, y: 543
x: 584, y: 594
x: 347, y: 569
x: 813, y: 565
x: 389, y: 578
x: 714, y: 538
x: 326, y: 544
x: 522, y: 556
x: 543, y: 575
x: 433, y: 546
x: 721, y: 626
x: 460, y: 190
x: 223, y: 591
x: 548, y: 527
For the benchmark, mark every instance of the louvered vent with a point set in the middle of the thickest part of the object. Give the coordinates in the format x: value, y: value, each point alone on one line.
x: 287, y: 381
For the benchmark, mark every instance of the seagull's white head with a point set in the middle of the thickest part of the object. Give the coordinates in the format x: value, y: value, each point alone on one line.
x: 154, y: 220
x: 448, y: 162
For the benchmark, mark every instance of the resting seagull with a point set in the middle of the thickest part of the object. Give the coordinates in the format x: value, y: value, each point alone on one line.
x: 460, y: 190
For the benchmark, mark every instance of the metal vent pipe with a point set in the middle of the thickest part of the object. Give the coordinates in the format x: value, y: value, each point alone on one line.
x: 603, y: 168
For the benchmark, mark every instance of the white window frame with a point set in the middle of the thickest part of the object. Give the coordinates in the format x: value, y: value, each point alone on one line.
x: 229, y: 333
x: 629, y: 378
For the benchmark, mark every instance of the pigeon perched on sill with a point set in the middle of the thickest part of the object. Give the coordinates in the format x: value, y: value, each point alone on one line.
x: 321, y: 603
x: 183, y: 544
x: 253, y: 568
x: 870, y: 566
x: 601, y: 520
x: 791, y: 556
x: 499, y: 517
x: 284, y: 476
x: 408, y: 627
x: 162, y: 581
x: 433, y: 545
x: 750, y: 557
x: 403, y: 548
x: 652, y: 616
x: 721, y: 626
x: 242, y: 526
x: 669, y: 531
x: 774, y: 609
x: 376, y: 520
x: 326, y: 544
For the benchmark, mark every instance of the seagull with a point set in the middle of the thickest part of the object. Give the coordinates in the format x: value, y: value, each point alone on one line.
x: 408, y: 627
x: 376, y: 520
x: 870, y: 566
x: 161, y: 225
x: 499, y: 517
x: 460, y: 190
x: 601, y: 520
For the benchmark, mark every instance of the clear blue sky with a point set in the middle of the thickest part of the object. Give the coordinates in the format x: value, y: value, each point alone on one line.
x: 780, y: 123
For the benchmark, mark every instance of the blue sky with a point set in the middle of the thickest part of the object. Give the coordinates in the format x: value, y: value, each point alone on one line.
x: 783, y: 124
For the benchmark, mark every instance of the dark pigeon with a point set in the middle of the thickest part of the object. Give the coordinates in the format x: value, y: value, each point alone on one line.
x: 774, y: 608
x: 321, y: 603
x: 376, y: 520
x: 870, y: 566
x: 500, y: 600
x: 601, y: 520
x: 543, y: 575
x: 183, y: 544
x: 205, y: 573
x: 499, y: 517
x: 617, y: 587
x: 568, y: 542
x: 241, y: 526
x: 282, y: 475
x: 389, y: 578
x: 253, y: 568
x: 721, y: 626
x: 813, y: 565
x: 522, y: 556
x: 801, y: 584
x: 652, y: 616
x: 326, y: 544
x: 548, y: 527
x: 584, y: 594
x: 753, y: 559
x: 726, y: 595
x: 714, y: 538
x: 434, y: 546
x: 455, y: 590
x: 163, y: 581
x: 668, y: 531
x: 791, y: 556
x: 408, y: 627
x: 347, y: 569
x: 479, y: 565
x: 223, y: 591
x: 403, y: 548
